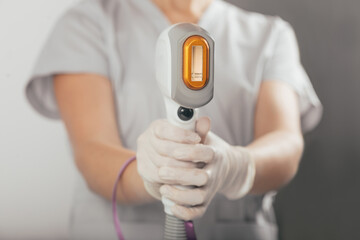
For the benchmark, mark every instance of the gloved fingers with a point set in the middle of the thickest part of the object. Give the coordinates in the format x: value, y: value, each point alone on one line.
x: 167, y: 131
x: 183, y: 152
x: 188, y: 213
x: 194, y: 153
x: 185, y: 196
x: 183, y: 176
x: 162, y: 161
x: 149, y: 172
x: 203, y: 127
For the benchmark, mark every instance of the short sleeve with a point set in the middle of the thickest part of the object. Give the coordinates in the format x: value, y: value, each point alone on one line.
x: 283, y: 64
x: 76, y: 45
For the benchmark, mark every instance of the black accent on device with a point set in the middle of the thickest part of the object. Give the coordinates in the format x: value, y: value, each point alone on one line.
x: 185, y: 114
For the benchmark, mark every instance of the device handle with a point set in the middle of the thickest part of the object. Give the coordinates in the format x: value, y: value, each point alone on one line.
x: 172, y: 109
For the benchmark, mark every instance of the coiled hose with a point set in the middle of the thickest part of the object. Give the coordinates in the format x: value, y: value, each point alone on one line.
x: 174, y: 228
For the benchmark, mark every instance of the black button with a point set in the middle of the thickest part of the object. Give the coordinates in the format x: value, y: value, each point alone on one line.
x: 185, y: 114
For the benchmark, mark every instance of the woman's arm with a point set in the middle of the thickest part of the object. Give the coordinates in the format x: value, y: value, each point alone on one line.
x: 278, y: 143
x: 86, y: 105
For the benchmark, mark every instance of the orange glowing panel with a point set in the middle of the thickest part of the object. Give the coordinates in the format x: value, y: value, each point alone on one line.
x: 195, y: 62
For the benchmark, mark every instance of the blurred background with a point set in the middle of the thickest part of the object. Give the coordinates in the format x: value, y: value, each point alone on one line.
x: 323, y: 200
x: 37, y: 172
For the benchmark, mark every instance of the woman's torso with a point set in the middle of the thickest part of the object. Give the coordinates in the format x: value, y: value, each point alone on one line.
x: 130, y: 34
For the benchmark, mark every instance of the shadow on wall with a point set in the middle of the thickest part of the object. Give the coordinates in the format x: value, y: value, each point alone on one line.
x: 323, y: 200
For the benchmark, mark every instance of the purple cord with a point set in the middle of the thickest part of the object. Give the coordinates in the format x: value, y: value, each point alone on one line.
x: 114, y: 205
x: 189, y: 226
x: 190, y: 230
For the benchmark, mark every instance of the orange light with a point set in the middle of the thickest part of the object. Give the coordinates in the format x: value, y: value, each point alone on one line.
x: 195, y: 62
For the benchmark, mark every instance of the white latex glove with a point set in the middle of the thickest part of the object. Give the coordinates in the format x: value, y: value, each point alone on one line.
x: 231, y: 172
x: 160, y: 145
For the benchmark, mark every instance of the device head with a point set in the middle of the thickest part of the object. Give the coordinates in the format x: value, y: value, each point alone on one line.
x: 185, y: 64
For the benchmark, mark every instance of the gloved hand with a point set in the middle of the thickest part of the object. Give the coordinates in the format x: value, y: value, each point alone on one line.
x: 230, y: 171
x: 159, y: 147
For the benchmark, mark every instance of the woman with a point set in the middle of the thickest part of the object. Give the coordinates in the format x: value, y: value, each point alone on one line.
x: 96, y: 72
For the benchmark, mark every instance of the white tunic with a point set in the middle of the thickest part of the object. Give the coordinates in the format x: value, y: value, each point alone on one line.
x: 116, y: 39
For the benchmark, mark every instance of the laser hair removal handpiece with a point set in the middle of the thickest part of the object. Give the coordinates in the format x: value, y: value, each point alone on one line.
x: 185, y: 74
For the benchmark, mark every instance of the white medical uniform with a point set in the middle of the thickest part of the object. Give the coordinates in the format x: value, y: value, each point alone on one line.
x: 116, y: 39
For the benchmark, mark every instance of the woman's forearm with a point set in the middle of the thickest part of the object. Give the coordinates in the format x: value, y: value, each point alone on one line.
x: 277, y: 155
x: 86, y: 105
x: 100, y: 163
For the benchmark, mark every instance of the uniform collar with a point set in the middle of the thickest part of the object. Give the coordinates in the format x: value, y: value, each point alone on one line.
x: 155, y: 15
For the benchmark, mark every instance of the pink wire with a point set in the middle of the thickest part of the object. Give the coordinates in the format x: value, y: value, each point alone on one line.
x: 189, y: 226
x: 114, y: 194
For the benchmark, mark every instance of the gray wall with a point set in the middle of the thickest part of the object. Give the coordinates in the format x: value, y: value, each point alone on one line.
x: 323, y: 200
